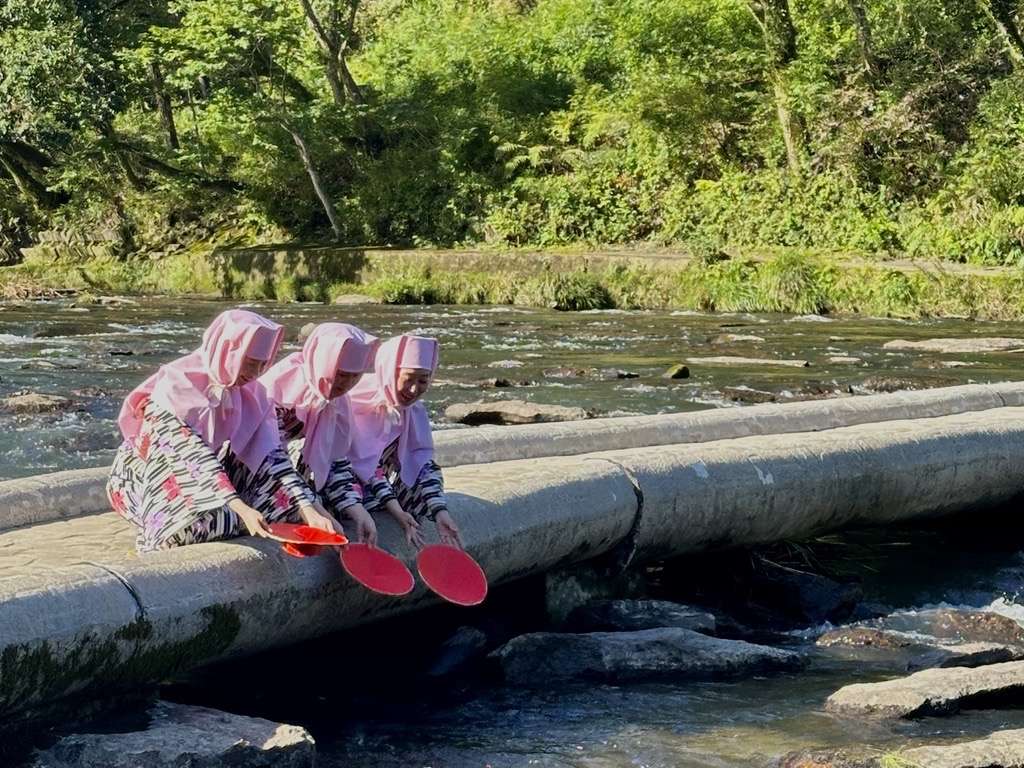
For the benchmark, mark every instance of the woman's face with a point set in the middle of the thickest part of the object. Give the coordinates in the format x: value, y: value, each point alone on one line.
x: 250, y: 371
x: 343, y: 382
x: 413, y: 383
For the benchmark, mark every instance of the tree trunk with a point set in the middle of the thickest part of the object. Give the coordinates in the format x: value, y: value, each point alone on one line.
x: 792, y: 126
x: 1002, y: 14
x: 33, y: 190
x: 863, y: 28
x: 776, y: 24
x: 333, y: 44
x: 136, y: 181
x: 314, y: 178
x: 163, y: 104
x: 350, y: 84
x: 334, y: 80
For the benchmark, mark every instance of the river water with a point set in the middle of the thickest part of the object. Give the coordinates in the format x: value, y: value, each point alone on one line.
x: 375, y: 707
x: 95, y: 354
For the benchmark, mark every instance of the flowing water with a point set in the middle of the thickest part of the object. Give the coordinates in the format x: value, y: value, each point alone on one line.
x: 376, y: 709
x: 96, y: 354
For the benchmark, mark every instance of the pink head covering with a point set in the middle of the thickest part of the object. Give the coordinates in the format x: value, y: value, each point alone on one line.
x: 303, y: 381
x: 200, y: 388
x: 378, y: 418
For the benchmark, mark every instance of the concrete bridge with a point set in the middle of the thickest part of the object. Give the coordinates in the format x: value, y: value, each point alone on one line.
x: 81, y: 612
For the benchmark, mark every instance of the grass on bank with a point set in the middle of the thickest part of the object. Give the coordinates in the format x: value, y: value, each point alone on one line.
x: 788, y: 282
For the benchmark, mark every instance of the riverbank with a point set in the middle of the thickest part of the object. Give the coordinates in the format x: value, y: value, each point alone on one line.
x: 796, y: 281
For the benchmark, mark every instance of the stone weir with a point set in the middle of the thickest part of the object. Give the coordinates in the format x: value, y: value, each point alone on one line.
x: 81, y: 612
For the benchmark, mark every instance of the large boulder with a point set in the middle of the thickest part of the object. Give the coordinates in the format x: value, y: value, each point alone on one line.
x: 669, y: 652
x: 181, y: 736
x: 465, y: 645
x: 970, y: 626
x: 957, y: 346
x: 935, y: 692
x: 511, y: 412
x: 919, y: 651
x: 828, y: 758
x: 35, y: 402
x: 748, y: 362
x: 632, y: 615
x: 1003, y: 749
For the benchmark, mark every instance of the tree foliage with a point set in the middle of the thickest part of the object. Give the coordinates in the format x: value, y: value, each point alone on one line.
x: 868, y: 125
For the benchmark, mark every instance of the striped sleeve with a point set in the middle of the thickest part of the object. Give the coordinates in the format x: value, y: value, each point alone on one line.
x: 430, y: 489
x: 340, y: 490
x: 283, y: 472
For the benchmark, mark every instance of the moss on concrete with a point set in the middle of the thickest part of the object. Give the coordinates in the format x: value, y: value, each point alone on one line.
x: 30, y: 674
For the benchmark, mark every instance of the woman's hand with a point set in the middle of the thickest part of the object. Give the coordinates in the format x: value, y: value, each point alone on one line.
x: 318, y: 517
x: 366, y: 529
x: 447, y: 531
x: 251, y: 519
x: 410, y: 527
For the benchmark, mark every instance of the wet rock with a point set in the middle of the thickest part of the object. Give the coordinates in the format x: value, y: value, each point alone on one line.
x: 934, y: 692
x: 971, y: 626
x: 748, y: 395
x: 35, y: 402
x: 566, y: 589
x: 116, y: 301
x: 756, y: 592
x: 820, y: 390
x: 500, y: 382
x: 89, y: 392
x: 737, y: 338
x: 614, y: 374
x: 669, y: 652
x: 305, y: 331
x: 506, y: 364
x: 57, y: 330
x: 464, y: 646
x: 355, y: 299
x: 747, y: 361
x: 568, y: 373
x: 120, y: 352
x: 967, y: 655
x: 53, y: 364
x: 861, y: 637
x: 632, y: 615
x: 920, y: 653
x: 679, y: 371
x: 957, y: 346
x: 511, y: 412
x: 804, y: 596
x: 844, y: 360
x: 887, y: 384
x: 827, y: 758
x: 1003, y: 749
x: 180, y: 736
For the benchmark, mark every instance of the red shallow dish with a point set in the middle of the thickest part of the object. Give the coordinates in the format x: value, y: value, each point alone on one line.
x: 301, y: 550
x: 377, y: 570
x: 452, y: 574
x: 306, y: 534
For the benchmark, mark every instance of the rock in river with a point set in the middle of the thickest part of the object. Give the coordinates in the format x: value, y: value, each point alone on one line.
x: 934, y: 692
x: 957, y: 346
x: 631, y: 615
x: 35, y: 402
x: 511, y: 412
x: 669, y: 652
x: 195, y: 737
